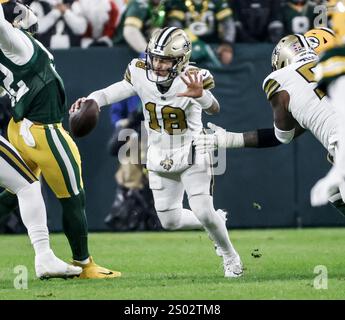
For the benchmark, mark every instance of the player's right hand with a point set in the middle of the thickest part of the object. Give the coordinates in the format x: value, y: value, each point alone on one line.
x: 209, y: 142
x: 76, y: 105
x: 205, y: 143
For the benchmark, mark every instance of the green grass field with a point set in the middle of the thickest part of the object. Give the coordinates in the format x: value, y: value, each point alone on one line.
x: 183, y: 265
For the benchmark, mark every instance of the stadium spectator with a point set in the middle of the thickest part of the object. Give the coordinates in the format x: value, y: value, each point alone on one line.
x: 102, y: 17
x: 61, y: 24
x: 298, y: 16
x: 258, y: 20
x: 139, y: 20
x: 207, y: 22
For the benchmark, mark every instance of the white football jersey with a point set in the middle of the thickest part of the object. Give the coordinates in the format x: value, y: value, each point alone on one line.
x: 308, y: 104
x: 171, y: 122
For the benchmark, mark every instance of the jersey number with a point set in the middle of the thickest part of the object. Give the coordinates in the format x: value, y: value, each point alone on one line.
x: 308, y: 74
x: 15, y: 90
x: 173, y: 119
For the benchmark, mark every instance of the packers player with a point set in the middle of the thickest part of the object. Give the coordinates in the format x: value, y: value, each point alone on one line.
x: 330, y: 73
x: 37, y: 93
x: 174, y: 94
x: 297, y: 104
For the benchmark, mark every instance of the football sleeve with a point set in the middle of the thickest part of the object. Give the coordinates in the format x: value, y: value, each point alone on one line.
x: 271, y: 87
x: 222, y: 10
x: 136, y: 14
x: 116, y: 92
x: 208, y: 80
x: 207, y: 99
x: 15, y: 45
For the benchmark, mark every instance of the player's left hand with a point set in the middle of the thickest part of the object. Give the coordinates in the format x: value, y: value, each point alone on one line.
x: 194, y: 83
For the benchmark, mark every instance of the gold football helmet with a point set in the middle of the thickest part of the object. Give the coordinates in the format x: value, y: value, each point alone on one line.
x: 320, y: 39
x: 336, y: 13
x: 169, y: 43
x: 290, y: 49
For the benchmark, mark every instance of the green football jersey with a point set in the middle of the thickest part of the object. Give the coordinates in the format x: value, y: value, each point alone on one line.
x: 36, y: 90
x: 298, y: 21
x: 143, y: 15
x: 330, y: 67
x: 203, y: 19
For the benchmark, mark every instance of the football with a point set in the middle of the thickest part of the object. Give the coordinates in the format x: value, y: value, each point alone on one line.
x: 84, y: 120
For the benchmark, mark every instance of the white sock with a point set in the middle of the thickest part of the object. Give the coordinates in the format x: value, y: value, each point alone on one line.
x: 39, y: 237
x: 202, y: 206
x: 33, y: 213
x: 86, y: 261
x: 179, y: 219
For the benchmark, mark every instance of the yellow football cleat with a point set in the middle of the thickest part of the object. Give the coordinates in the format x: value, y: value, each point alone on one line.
x: 94, y: 271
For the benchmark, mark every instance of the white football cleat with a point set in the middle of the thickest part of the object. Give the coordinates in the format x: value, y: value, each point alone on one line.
x: 233, y: 267
x: 47, y: 265
x: 325, y: 188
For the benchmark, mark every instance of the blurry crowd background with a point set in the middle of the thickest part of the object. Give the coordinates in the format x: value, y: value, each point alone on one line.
x: 213, y: 26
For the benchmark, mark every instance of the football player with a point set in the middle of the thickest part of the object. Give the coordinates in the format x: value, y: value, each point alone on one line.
x: 297, y: 105
x: 37, y: 93
x: 330, y: 73
x: 174, y: 94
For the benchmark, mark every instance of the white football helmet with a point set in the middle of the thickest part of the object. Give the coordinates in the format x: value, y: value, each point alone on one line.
x: 291, y: 49
x: 169, y: 43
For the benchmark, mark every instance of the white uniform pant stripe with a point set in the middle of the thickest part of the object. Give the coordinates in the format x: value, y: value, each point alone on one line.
x: 65, y: 159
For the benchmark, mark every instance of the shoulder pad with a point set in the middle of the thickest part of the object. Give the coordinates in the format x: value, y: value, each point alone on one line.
x: 270, y: 87
x: 140, y: 64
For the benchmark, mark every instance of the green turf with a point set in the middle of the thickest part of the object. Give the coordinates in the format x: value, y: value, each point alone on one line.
x: 183, y: 265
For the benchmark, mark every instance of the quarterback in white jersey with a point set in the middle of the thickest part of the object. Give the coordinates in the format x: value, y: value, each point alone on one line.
x: 297, y: 104
x: 173, y: 95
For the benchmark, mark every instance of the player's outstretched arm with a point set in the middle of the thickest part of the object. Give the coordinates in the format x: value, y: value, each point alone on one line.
x: 284, y: 123
x: 116, y: 92
x: 259, y: 138
x: 14, y: 44
x: 285, y: 129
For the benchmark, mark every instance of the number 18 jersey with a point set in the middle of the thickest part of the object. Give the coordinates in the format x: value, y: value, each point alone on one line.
x: 165, y: 113
x: 171, y: 122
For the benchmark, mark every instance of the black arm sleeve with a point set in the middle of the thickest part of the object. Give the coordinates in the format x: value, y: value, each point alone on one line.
x: 267, y: 138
